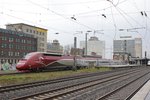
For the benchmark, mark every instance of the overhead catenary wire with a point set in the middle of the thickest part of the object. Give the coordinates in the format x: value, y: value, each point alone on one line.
x: 115, y: 6
x: 68, y: 18
x: 120, y: 10
x: 93, y: 15
x: 142, y: 27
x: 93, y: 11
x: 145, y: 16
x: 55, y: 29
x: 76, y: 3
x: 126, y: 14
x: 147, y: 42
x: 124, y: 17
x: 137, y: 22
x: 52, y: 28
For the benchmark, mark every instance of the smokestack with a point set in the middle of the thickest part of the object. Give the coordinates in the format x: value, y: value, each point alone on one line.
x: 75, y: 42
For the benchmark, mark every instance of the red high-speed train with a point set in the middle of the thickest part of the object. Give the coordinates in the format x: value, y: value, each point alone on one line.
x: 38, y: 61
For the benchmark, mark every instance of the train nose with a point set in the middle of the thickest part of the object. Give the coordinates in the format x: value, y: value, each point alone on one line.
x: 20, y: 65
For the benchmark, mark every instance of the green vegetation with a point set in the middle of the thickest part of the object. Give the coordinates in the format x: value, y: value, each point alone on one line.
x: 24, y: 78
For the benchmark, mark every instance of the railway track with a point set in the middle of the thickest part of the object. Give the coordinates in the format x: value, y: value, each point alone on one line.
x: 80, y: 91
x: 79, y: 88
x: 38, y: 83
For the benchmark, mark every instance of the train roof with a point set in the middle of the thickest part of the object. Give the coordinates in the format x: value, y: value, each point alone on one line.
x: 45, y: 53
x: 52, y: 54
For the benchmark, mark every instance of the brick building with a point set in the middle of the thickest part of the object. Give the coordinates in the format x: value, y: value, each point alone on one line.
x: 14, y: 45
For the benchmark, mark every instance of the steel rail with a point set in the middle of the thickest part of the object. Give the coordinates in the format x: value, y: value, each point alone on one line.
x: 27, y: 85
x: 67, y: 89
x: 119, y: 88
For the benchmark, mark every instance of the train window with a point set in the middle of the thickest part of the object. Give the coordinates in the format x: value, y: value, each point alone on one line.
x: 46, y: 54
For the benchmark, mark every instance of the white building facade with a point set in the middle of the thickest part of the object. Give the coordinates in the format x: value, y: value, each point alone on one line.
x: 94, y: 46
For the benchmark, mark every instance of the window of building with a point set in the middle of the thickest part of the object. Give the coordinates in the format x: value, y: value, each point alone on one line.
x: 37, y: 32
x: 4, y: 45
x: 18, y: 53
x: 4, y: 38
x: 22, y: 41
x: 11, y: 46
x: 11, y: 39
x: 33, y: 48
x: 12, y: 32
x: 29, y: 41
x: 9, y: 53
x: 17, y: 40
x: 17, y: 47
x: 30, y: 31
x: 27, y: 30
x: 24, y: 53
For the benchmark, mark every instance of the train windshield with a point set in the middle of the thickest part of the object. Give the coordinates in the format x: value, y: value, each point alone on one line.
x: 28, y: 56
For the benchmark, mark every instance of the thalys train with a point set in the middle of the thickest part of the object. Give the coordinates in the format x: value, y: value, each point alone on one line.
x: 38, y: 61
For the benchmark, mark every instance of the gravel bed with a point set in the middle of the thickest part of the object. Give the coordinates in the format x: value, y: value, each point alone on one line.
x: 31, y: 90
x: 124, y: 93
x: 95, y: 92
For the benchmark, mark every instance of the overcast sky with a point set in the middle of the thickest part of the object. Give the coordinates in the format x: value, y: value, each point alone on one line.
x: 107, y: 16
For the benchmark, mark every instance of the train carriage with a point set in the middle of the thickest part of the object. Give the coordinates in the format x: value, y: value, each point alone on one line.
x: 39, y: 60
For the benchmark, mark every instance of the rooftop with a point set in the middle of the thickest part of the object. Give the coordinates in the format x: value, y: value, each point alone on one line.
x: 15, y: 32
x: 27, y: 25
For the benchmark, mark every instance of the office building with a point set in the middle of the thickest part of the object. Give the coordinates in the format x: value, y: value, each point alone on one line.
x: 37, y: 32
x: 125, y: 48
